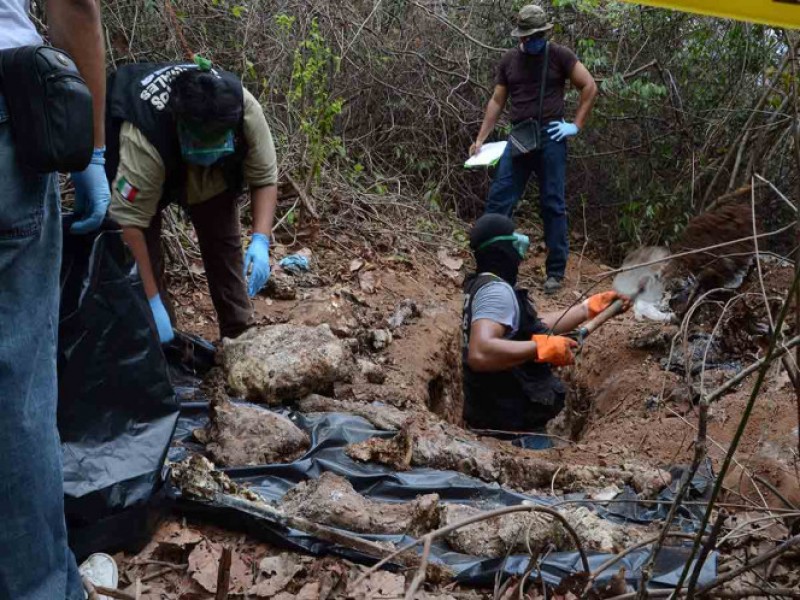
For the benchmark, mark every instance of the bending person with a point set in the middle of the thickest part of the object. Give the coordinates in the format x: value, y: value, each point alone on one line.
x: 193, y: 135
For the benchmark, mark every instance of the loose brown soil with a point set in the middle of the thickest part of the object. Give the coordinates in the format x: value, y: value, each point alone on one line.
x: 632, y: 411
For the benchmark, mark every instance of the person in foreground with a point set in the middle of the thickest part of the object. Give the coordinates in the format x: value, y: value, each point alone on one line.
x: 508, y: 349
x: 35, y: 561
x: 192, y: 134
x: 537, y: 105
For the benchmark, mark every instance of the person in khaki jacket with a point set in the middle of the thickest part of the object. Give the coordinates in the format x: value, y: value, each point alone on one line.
x: 191, y: 134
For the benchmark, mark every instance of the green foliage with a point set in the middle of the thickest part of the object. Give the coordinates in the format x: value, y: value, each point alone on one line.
x: 309, y: 96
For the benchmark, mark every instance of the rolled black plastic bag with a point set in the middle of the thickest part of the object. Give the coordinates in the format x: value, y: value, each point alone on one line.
x: 116, y: 406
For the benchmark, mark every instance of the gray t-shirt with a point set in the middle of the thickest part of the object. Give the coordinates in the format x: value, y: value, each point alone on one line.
x: 16, y: 29
x: 497, y: 302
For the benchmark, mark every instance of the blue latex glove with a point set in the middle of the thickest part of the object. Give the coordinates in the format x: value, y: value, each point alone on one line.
x: 92, y: 194
x: 295, y: 263
x: 560, y: 130
x: 257, y: 257
x: 161, y: 317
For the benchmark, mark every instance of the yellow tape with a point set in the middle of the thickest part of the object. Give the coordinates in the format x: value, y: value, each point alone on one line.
x: 783, y: 13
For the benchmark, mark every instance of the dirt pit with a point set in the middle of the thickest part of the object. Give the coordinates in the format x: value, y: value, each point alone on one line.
x: 634, y: 415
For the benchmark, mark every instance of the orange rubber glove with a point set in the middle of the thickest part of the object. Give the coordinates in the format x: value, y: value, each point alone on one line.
x: 599, y: 302
x: 554, y: 349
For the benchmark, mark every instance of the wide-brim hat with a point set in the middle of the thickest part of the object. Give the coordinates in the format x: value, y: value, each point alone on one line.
x: 531, y: 20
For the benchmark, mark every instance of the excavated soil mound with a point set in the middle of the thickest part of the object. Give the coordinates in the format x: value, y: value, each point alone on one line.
x: 285, y: 362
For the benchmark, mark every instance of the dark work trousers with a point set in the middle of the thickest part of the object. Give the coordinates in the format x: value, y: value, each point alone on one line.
x: 219, y: 235
x: 512, y: 175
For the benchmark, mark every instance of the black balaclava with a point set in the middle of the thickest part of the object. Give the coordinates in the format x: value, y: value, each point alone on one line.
x: 499, y: 258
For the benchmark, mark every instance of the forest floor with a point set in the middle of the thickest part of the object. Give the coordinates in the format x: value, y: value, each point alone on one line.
x: 627, y: 409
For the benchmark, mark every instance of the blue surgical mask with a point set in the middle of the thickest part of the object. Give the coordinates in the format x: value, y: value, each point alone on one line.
x: 204, y: 153
x: 534, y: 45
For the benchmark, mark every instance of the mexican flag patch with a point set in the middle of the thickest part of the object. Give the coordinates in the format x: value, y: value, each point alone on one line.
x: 126, y: 190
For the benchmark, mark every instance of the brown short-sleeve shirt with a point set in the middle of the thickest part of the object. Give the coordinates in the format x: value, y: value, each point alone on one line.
x: 521, y: 74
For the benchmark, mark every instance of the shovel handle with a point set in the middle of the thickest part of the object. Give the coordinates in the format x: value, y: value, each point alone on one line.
x: 612, y: 311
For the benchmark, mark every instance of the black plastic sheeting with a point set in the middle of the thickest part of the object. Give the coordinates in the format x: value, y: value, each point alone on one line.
x: 331, y: 432
x: 120, y: 395
x: 116, y: 407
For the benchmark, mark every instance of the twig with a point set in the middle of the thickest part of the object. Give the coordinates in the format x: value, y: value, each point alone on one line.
x: 157, y: 574
x: 158, y: 563
x: 90, y: 589
x: 751, y: 564
x: 111, y: 593
x: 138, y: 589
x: 758, y: 591
x: 615, y: 559
x: 361, y: 28
x: 767, y: 360
x: 419, y: 576
x: 741, y: 526
x: 457, y: 28
x: 224, y: 574
x: 707, y: 547
x: 725, y: 387
x: 796, y: 139
x: 308, y: 204
x: 776, y: 492
x: 477, y: 519
x: 755, y: 508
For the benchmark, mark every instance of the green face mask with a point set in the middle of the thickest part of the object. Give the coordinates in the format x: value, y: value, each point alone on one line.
x: 521, y: 242
x: 204, y: 146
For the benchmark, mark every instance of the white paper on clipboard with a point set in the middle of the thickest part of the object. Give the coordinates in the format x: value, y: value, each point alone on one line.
x: 489, y: 156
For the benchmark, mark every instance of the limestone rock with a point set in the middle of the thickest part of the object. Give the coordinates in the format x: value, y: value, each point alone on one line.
x: 241, y: 434
x: 285, y: 362
x: 381, y: 416
x: 331, y: 500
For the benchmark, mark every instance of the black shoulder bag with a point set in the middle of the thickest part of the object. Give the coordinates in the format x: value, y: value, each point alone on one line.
x: 526, y: 136
x: 50, y: 107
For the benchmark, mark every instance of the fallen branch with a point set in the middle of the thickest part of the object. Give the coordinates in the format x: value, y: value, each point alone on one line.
x: 307, y: 203
x: 224, y: 574
x: 607, y: 274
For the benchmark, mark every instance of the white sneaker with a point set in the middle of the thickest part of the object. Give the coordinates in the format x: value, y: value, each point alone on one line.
x: 101, y: 570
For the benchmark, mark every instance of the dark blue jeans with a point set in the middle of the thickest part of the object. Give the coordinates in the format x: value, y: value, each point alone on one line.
x: 510, y: 179
x: 35, y: 562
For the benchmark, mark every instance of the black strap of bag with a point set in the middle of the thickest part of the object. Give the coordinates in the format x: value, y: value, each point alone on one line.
x: 525, y: 137
x: 543, y: 83
x: 50, y: 107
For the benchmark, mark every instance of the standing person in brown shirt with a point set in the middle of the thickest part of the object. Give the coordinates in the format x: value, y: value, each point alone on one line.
x: 519, y: 77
